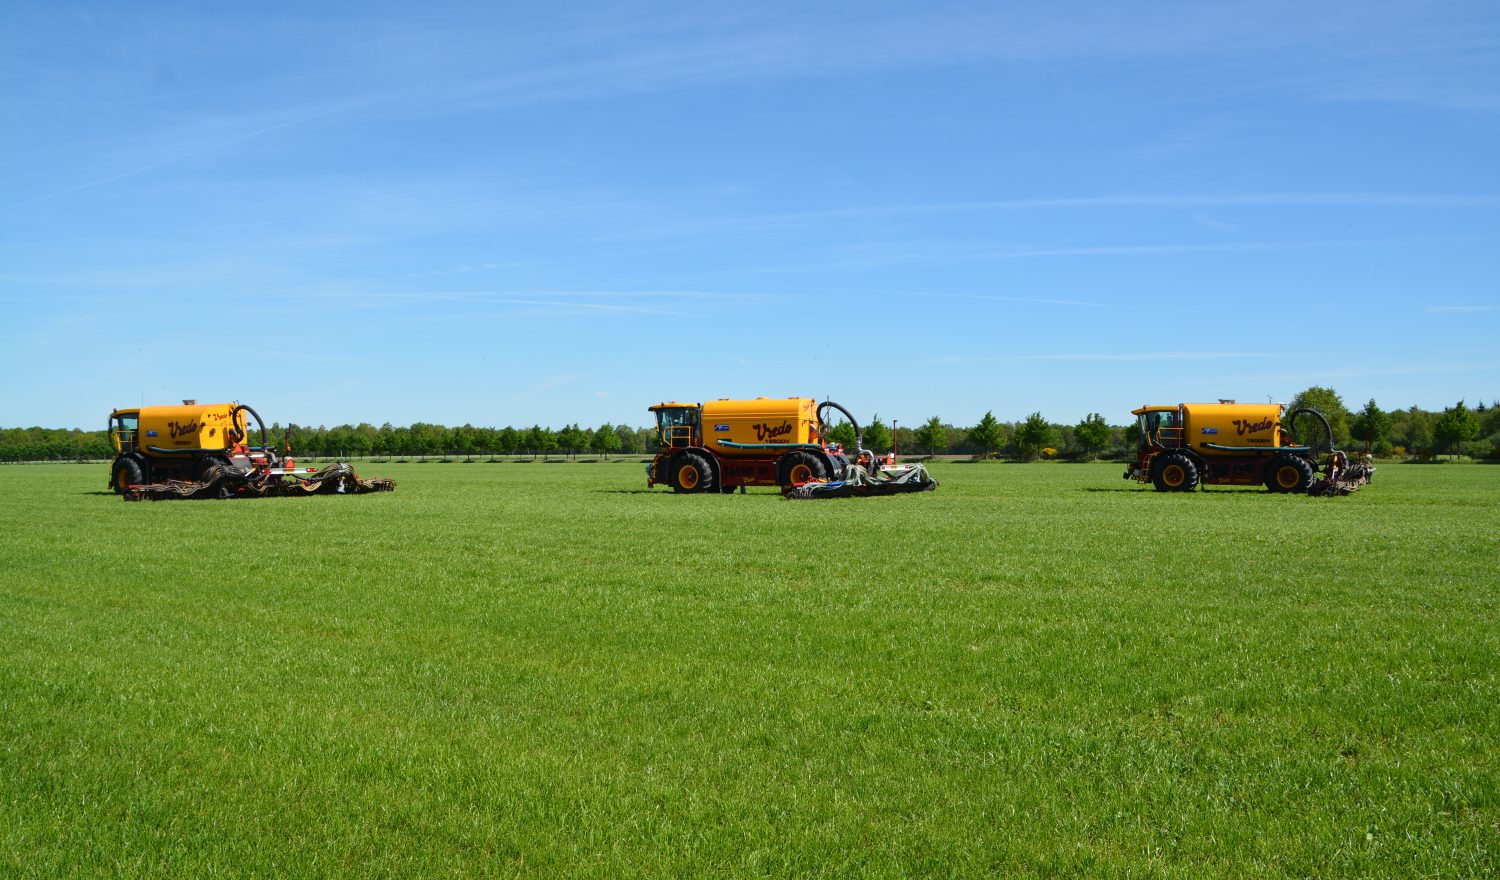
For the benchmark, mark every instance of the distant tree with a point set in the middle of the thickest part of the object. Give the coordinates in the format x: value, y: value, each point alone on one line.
x: 1371, y: 425
x: 382, y: 444
x: 647, y: 439
x: 508, y: 441
x: 362, y: 440
x: 1033, y: 435
x: 931, y: 436
x: 1327, y: 402
x: 427, y: 438
x: 572, y: 439
x: 902, y: 437
x: 400, y: 442
x: 487, y: 440
x: 1092, y: 434
x: 463, y: 440
x: 606, y: 440
x: 1417, y: 435
x: 540, y: 441
x: 1456, y: 426
x: 842, y: 433
x: 987, y: 436
x: 629, y: 440
x: 877, y: 435
x: 1489, y: 422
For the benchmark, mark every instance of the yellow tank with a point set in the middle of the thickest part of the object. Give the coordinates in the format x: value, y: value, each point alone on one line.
x: 1239, y: 426
x: 188, y: 428
x: 747, y: 427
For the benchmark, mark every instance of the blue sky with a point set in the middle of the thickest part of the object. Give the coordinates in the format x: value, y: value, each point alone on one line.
x: 504, y: 213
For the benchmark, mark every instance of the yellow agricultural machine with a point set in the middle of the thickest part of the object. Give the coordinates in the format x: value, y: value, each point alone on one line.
x: 203, y: 451
x: 723, y: 445
x: 1188, y: 445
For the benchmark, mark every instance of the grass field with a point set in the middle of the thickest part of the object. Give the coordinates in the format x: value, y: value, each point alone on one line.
x: 545, y: 670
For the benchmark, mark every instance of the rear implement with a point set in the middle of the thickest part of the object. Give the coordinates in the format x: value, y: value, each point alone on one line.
x: 205, y: 451
x: 723, y: 445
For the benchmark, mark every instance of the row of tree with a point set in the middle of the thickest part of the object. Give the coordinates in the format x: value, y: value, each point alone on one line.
x: 1410, y: 432
x: 1413, y: 432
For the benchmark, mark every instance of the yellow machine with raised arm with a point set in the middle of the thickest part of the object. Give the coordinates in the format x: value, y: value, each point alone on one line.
x: 205, y: 451
x: 723, y: 445
x: 1187, y: 445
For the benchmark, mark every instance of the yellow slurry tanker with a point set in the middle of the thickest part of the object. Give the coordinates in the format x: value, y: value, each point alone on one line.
x: 723, y: 445
x: 204, y: 451
x: 1187, y: 445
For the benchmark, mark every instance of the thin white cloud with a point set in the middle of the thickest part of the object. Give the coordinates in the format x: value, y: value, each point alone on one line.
x: 1325, y: 376
x: 183, y: 156
x: 1146, y: 200
x: 1099, y: 356
x: 1032, y: 300
x: 1461, y: 309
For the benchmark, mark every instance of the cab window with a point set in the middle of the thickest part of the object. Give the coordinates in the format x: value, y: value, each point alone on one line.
x: 124, y: 432
x: 1153, y: 422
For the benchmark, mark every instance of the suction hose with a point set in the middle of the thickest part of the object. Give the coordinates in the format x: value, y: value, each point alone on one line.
x: 234, y: 420
x: 859, y: 435
x: 1291, y: 419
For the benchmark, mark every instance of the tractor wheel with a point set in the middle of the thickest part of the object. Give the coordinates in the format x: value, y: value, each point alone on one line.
x: 209, y: 467
x: 1174, y: 472
x: 801, y: 467
x: 691, y: 472
x: 1289, y: 473
x: 128, y: 471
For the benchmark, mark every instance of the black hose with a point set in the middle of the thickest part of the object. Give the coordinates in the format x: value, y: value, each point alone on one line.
x: 233, y: 418
x: 1291, y: 419
x: 859, y: 435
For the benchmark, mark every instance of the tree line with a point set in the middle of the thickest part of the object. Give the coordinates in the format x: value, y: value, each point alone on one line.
x: 1398, y: 433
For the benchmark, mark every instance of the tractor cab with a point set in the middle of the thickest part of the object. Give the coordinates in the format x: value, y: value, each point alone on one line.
x: 1160, y: 427
x: 123, y: 425
x: 679, y: 425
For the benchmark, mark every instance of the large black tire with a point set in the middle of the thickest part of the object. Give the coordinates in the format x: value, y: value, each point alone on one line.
x: 128, y: 471
x: 691, y: 472
x: 800, y: 467
x: 1289, y: 474
x: 1174, y: 472
x: 209, y: 466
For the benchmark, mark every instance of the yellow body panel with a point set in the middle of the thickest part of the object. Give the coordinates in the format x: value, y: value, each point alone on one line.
x: 1244, y: 425
x: 187, y: 428
x: 756, y: 423
x: 790, y: 420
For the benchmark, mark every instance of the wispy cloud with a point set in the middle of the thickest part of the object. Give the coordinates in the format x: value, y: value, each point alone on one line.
x: 617, y: 301
x: 1145, y: 200
x: 1461, y: 309
x: 1326, y: 375
x: 1100, y: 356
x: 189, y: 154
x: 1033, y: 300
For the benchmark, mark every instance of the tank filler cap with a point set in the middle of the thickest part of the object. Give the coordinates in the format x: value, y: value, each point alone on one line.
x: 190, y: 403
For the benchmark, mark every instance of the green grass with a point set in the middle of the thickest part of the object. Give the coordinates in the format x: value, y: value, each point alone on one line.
x: 545, y: 670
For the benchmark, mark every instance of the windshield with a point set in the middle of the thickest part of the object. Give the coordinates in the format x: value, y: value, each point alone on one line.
x: 1153, y: 422
x: 124, y: 432
x: 676, y: 417
x: 675, y: 426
